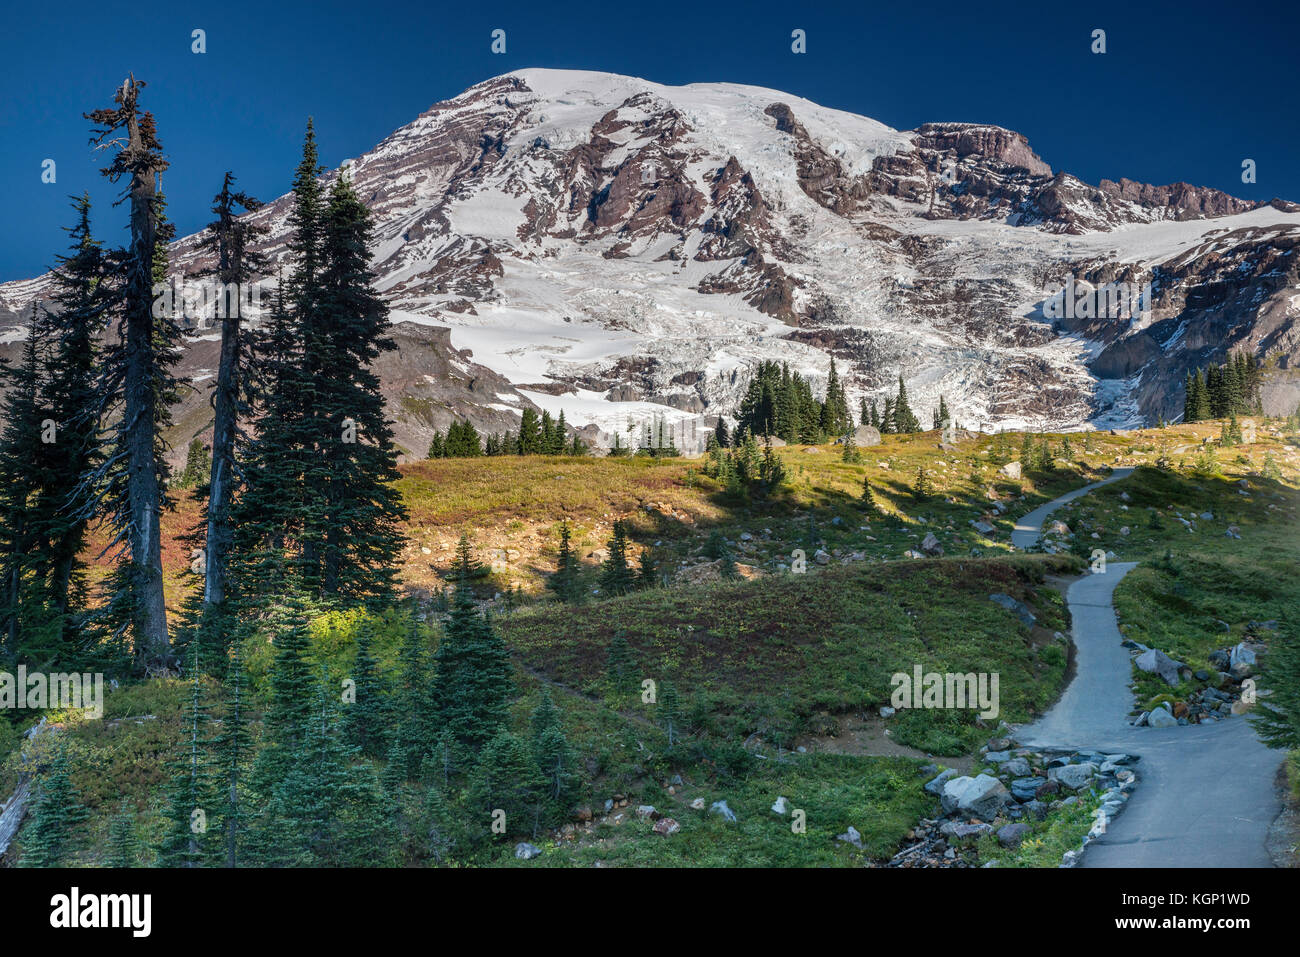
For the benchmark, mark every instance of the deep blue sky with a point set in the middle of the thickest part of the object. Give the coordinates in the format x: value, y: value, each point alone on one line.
x: 1185, y: 91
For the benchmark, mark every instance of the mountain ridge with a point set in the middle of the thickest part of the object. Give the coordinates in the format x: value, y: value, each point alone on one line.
x: 619, y: 249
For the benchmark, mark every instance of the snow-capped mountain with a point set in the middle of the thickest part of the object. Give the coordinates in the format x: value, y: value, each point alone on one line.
x: 618, y: 249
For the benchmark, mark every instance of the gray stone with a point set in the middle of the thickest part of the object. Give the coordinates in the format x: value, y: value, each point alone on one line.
x: 1010, y: 835
x: 781, y: 806
x: 935, y: 786
x: 526, y: 852
x: 1074, y: 776
x: 851, y: 836
x: 1161, y: 718
x: 1016, y: 767
x: 1011, y: 470
x: 982, y: 796
x: 1024, y: 789
x: 1021, y: 611
x: 720, y: 808
x: 1157, y: 662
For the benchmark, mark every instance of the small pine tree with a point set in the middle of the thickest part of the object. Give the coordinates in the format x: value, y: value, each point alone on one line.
x: 922, y: 489
x: 123, y: 848
x: 868, y: 499
x: 565, y: 580
x: 668, y: 712
x: 621, y: 668
x: 616, y: 577
x: 57, y: 813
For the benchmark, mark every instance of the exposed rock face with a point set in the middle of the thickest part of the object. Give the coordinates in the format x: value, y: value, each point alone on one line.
x: 620, y: 250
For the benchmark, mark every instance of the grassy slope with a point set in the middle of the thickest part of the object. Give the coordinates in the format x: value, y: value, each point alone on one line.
x: 772, y: 656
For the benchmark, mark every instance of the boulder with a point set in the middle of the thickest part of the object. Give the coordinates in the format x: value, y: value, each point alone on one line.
x: 526, y: 852
x: 1025, y: 788
x: 851, y: 836
x: 865, y: 435
x: 935, y: 786
x: 1021, y: 610
x: 961, y: 831
x: 1010, y: 835
x: 930, y: 545
x: 667, y: 827
x: 781, y: 806
x: 982, y: 796
x: 1011, y: 470
x: 1074, y: 776
x: 1161, y: 718
x: 1155, y: 661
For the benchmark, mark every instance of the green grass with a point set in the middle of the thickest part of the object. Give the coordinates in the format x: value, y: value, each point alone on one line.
x: 763, y: 657
x: 881, y: 797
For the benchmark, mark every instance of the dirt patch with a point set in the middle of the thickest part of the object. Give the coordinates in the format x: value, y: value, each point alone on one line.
x: 866, y: 735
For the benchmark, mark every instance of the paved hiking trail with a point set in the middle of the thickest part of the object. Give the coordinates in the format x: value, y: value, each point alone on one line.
x: 1205, y: 796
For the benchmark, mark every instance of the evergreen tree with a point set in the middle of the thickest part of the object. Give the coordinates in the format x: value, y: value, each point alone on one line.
x: 233, y: 750
x: 565, y: 580
x: 190, y: 794
x: 905, y: 421
x: 416, y: 729
x: 530, y: 434
x: 668, y: 712
x: 83, y: 296
x: 136, y: 380
x: 507, y: 780
x: 123, y: 849
x: 621, y: 668
x: 472, y: 683
x: 721, y: 433
x: 942, y: 418
x: 366, y: 719
x: 922, y: 488
x: 1276, y: 717
x: 868, y: 499
x: 196, y: 468
x: 616, y: 577
x: 57, y: 813
x: 229, y: 239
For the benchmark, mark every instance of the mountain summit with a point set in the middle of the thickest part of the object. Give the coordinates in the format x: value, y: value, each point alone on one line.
x: 620, y: 249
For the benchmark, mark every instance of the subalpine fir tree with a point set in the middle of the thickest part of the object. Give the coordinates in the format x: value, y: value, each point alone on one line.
x: 415, y: 729
x: 327, y: 810
x: 565, y: 580
x: 365, y: 720
x: 721, y: 433
x: 888, y: 426
x: 647, y: 575
x: 123, y: 848
x: 668, y: 712
x: 529, y: 441
x: 136, y: 380
x: 229, y: 239
x: 57, y: 814
x: 942, y: 418
x: 20, y: 542
x: 922, y: 488
x: 233, y: 753
x: 472, y: 683
x: 507, y: 781
x: 191, y: 795
x: 361, y: 539
x: 616, y: 576
x: 905, y: 421
x: 1027, y: 454
x: 196, y: 468
x: 437, y: 447
x: 621, y: 668
x: 83, y: 296
x: 868, y: 499
x: 836, y: 418
x: 1276, y: 717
